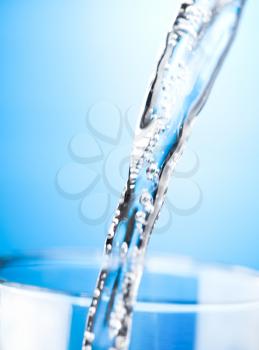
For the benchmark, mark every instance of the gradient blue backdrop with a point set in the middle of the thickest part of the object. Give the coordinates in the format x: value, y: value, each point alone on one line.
x: 57, y: 58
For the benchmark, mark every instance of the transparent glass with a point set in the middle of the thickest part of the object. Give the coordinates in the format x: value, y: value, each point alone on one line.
x: 182, y: 304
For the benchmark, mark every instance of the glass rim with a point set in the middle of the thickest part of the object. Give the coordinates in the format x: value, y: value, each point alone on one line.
x: 157, y: 263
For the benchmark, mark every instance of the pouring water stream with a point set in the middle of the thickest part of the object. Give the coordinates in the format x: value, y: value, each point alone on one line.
x: 194, y: 52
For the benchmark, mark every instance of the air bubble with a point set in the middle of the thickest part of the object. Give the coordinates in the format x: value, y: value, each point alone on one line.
x: 92, y: 310
x: 108, y: 248
x: 97, y: 293
x: 147, y: 201
x: 89, y: 336
x: 124, y: 248
x: 153, y: 172
x: 141, y: 217
x: 120, y: 342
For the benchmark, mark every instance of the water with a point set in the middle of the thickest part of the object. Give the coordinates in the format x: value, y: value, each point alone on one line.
x: 195, y: 49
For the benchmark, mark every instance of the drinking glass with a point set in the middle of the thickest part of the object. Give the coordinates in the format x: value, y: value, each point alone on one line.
x: 182, y: 304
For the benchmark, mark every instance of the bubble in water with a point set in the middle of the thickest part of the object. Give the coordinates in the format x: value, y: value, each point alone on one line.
x: 121, y: 342
x: 115, y: 325
x: 148, y: 155
x: 87, y: 347
x: 111, y: 231
x: 153, y: 172
x: 141, y: 217
x: 92, y: 310
x: 124, y: 249
x: 108, y: 248
x: 96, y: 293
x: 147, y: 201
x: 89, y: 336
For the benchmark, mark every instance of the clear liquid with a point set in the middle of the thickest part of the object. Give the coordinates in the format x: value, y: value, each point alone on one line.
x: 195, y: 49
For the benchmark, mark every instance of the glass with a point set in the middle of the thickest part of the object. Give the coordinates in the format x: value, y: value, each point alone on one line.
x: 182, y: 304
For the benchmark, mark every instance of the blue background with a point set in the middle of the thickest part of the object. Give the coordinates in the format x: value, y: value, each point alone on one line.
x: 58, y: 58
